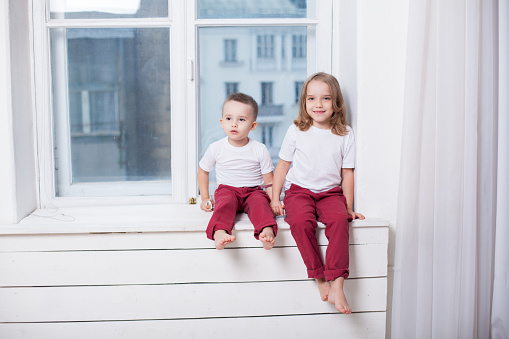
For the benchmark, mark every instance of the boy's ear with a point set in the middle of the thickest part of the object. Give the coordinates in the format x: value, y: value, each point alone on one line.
x: 221, y: 121
x: 253, y: 126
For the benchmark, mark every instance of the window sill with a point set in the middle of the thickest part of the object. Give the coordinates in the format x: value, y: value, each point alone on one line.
x: 133, y: 219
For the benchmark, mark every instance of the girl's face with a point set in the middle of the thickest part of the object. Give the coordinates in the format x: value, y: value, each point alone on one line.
x: 319, y: 104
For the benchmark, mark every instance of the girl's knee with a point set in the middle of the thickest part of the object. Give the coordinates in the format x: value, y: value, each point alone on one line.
x: 336, y: 218
x: 307, y: 227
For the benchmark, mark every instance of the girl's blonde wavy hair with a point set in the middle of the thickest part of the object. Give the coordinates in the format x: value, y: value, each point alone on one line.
x: 338, y: 119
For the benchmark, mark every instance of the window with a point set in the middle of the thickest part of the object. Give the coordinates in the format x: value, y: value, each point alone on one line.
x: 265, y: 46
x: 230, y: 50
x: 298, y: 46
x: 267, y: 135
x: 267, y: 88
x: 298, y: 88
x: 127, y: 91
x: 231, y: 87
x: 118, y: 107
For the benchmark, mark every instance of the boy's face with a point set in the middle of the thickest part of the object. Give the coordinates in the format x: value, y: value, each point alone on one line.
x: 237, y: 122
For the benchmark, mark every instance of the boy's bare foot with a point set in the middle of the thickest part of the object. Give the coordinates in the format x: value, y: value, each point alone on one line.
x: 222, y: 239
x: 337, y: 296
x: 323, y: 287
x: 267, y: 237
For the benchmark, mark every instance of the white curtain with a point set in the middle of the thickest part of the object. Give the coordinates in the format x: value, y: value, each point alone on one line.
x: 450, y: 265
x: 500, y: 308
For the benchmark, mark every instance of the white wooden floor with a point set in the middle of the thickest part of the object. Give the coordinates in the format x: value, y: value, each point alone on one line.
x: 174, y: 284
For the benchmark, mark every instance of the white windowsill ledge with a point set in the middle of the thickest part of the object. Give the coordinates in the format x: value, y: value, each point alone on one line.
x: 133, y: 219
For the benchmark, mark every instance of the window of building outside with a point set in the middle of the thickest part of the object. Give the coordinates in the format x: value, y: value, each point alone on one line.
x: 114, y: 105
x: 265, y: 46
x: 230, y: 50
x: 231, y: 87
x: 298, y: 46
x: 267, y: 93
x: 298, y: 88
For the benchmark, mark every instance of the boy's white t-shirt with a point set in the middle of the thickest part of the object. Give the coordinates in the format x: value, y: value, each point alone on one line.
x: 237, y: 166
x: 317, y: 157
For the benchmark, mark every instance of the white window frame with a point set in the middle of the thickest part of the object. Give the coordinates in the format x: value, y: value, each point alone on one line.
x: 184, y: 136
x: 45, y: 119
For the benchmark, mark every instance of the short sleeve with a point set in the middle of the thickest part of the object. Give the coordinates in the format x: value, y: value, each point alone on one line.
x: 208, y: 162
x: 266, y: 165
x: 287, y: 151
x: 349, y: 150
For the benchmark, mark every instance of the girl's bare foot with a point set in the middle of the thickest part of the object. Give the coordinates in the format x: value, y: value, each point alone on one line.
x: 337, y: 296
x: 323, y: 287
x: 222, y: 239
x: 267, y: 237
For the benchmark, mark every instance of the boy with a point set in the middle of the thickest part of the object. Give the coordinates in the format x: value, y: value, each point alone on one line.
x: 242, y: 165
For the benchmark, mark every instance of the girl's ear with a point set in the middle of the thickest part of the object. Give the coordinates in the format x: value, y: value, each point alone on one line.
x: 253, y: 126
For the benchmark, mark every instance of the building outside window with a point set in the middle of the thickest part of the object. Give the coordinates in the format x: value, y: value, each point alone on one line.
x: 117, y: 110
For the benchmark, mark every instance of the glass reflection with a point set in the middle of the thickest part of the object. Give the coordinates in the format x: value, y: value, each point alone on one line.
x: 118, y: 102
x: 227, y: 9
x: 105, y: 9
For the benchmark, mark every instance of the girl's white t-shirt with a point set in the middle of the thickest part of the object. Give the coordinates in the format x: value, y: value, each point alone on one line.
x: 237, y: 166
x: 317, y: 157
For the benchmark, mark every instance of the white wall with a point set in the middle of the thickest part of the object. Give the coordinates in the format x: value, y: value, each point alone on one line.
x: 381, y: 52
x: 371, y: 71
x: 7, y: 183
x: 22, y: 108
x: 18, y: 195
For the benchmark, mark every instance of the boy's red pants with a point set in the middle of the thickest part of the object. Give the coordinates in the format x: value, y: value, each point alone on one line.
x: 303, y: 208
x: 229, y: 200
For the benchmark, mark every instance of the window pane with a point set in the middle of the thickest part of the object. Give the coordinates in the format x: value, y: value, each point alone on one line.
x: 227, y: 9
x: 104, y: 9
x: 116, y: 85
x: 269, y: 77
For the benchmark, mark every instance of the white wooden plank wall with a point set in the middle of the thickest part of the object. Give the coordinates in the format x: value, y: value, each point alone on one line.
x: 176, y: 285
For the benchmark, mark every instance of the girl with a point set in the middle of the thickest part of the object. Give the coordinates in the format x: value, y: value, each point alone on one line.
x: 320, y: 184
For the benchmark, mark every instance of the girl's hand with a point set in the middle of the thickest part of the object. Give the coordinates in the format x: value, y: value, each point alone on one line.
x: 277, y: 208
x: 207, y: 205
x: 356, y: 215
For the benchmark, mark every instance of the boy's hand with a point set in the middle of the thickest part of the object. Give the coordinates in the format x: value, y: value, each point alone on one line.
x: 277, y: 208
x: 207, y: 205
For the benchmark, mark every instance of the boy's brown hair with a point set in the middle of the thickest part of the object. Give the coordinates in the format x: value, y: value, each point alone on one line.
x: 245, y: 99
x: 338, y: 119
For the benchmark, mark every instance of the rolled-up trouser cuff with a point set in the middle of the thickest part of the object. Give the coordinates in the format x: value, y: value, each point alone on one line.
x: 334, y: 274
x: 257, y: 232
x: 316, y: 274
